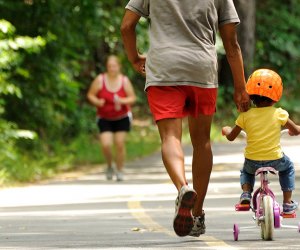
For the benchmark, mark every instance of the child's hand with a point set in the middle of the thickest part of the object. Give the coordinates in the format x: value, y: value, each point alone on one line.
x: 226, y: 130
x: 293, y: 128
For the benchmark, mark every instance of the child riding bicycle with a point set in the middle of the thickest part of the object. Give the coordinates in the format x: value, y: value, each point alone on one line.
x: 262, y: 125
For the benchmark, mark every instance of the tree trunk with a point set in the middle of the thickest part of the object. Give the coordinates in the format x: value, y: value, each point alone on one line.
x: 246, y: 31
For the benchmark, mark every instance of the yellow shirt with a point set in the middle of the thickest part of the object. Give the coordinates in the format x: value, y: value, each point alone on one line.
x: 263, y: 126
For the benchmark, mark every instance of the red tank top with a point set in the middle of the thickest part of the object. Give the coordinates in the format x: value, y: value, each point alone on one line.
x: 110, y: 109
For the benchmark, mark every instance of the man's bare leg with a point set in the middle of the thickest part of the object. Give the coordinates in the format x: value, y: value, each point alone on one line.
x: 202, y: 158
x: 170, y: 131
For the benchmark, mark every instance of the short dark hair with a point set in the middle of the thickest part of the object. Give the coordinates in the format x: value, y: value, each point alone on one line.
x: 257, y: 100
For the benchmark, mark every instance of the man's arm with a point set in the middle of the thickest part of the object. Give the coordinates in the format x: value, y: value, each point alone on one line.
x: 128, y: 25
x: 235, y: 60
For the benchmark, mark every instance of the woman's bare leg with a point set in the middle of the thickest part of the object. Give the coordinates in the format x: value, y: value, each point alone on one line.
x: 106, y: 141
x: 120, y: 149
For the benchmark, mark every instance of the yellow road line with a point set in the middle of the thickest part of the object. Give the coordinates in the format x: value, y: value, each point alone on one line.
x: 138, y: 212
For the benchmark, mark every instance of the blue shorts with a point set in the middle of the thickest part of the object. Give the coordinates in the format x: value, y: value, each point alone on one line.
x: 284, y: 166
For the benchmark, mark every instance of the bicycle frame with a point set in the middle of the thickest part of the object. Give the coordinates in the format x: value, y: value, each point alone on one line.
x: 262, y: 191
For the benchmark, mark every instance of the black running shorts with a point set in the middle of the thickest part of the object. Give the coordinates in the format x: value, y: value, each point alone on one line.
x: 105, y: 125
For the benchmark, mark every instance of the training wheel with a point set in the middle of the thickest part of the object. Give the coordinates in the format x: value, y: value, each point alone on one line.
x: 277, y: 217
x: 236, y: 231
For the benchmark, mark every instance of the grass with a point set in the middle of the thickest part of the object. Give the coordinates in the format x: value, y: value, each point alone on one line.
x: 141, y: 141
x: 47, y: 161
x: 83, y: 152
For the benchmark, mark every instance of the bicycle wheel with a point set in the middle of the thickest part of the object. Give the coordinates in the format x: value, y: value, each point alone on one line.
x: 267, y: 224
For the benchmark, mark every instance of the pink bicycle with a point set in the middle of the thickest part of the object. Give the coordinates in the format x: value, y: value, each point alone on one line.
x: 264, y: 206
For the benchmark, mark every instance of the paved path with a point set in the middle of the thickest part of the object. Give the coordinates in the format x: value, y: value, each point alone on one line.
x: 92, y: 213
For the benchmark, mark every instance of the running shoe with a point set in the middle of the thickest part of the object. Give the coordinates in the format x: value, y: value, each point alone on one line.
x: 290, y: 208
x: 120, y: 176
x: 199, y: 226
x: 109, y: 173
x: 183, y: 221
x: 245, y: 198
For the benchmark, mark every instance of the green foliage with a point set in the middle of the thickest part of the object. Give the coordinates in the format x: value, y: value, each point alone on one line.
x: 50, y: 52
x: 78, y: 38
x: 50, y: 90
x: 278, y: 32
x: 12, y: 48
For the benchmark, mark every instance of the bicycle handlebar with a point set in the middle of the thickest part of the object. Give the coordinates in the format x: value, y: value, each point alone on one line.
x: 243, y: 133
x: 282, y: 132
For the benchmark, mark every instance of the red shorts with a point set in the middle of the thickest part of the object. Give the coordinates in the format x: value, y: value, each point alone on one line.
x: 180, y: 101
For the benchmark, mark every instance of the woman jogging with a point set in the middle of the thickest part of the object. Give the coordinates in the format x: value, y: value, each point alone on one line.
x: 112, y: 94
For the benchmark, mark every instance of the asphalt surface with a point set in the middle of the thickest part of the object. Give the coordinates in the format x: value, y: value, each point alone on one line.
x: 88, y: 212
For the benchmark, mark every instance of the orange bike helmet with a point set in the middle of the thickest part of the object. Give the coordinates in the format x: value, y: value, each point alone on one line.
x: 265, y: 82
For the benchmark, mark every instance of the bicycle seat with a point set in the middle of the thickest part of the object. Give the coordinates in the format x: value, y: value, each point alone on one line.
x: 266, y: 169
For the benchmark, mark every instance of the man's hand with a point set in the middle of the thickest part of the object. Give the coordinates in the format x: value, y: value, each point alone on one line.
x: 139, y: 65
x: 242, y: 100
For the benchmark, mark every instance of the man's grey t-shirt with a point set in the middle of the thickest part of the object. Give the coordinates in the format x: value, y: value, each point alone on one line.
x: 182, y: 39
